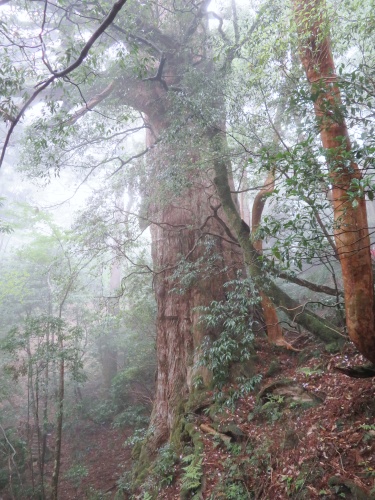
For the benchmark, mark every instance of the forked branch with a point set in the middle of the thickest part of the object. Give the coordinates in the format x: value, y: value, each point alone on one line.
x: 60, y: 74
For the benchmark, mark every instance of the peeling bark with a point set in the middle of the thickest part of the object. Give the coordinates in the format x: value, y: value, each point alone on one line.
x: 351, y: 226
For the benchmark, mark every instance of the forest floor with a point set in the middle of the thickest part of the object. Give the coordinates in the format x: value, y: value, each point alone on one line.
x: 93, y: 459
x: 306, y: 432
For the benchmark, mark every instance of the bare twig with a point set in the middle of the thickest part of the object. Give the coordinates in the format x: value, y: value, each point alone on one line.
x: 60, y: 74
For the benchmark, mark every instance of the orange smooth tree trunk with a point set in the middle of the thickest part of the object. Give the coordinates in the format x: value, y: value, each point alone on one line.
x: 350, y: 217
x: 274, y: 331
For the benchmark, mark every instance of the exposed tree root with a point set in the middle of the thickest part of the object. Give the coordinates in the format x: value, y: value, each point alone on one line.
x: 210, y: 430
x: 365, y: 371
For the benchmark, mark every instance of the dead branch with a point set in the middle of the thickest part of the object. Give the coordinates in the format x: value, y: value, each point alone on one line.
x: 209, y: 430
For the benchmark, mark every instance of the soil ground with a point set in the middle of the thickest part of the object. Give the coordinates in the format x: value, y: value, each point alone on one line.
x: 282, y: 448
x: 99, y: 450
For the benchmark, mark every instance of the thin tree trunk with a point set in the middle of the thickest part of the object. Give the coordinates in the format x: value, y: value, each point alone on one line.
x: 60, y: 397
x: 319, y: 327
x: 351, y: 226
x: 30, y: 405
x: 274, y: 331
x: 45, y: 408
x: 108, y: 346
x: 59, y: 423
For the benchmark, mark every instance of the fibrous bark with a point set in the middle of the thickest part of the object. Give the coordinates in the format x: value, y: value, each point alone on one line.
x: 193, y: 254
x: 186, y: 231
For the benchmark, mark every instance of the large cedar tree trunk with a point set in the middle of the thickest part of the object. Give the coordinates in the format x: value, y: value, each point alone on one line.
x: 188, y: 227
x: 351, y: 226
x: 187, y: 224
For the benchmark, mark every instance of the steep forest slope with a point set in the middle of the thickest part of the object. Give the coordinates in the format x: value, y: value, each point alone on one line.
x: 305, y: 432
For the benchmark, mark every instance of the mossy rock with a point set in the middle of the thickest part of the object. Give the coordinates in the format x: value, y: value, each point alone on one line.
x: 269, y: 406
x: 143, y: 463
x: 140, y: 474
x: 348, y: 487
x: 195, y: 436
x: 271, y: 387
x: 304, y: 405
x: 274, y: 368
x: 333, y: 347
x: 179, y: 434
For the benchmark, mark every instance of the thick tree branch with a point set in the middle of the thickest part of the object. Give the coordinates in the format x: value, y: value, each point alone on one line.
x: 159, y: 74
x: 196, y: 20
x: 146, y: 29
x: 210, y: 13
x: 141, y: 40
x: 235, y: 22
x: 311, y: 286
x: 94, y: 101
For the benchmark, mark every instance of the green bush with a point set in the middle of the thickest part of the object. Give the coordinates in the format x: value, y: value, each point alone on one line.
x: 134, y: 416
x: 233, y: 318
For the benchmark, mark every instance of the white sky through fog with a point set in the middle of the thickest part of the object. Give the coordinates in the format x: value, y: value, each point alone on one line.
x: 60, y: 188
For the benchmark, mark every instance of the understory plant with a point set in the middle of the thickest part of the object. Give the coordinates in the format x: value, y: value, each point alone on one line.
x: 234, y: 319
